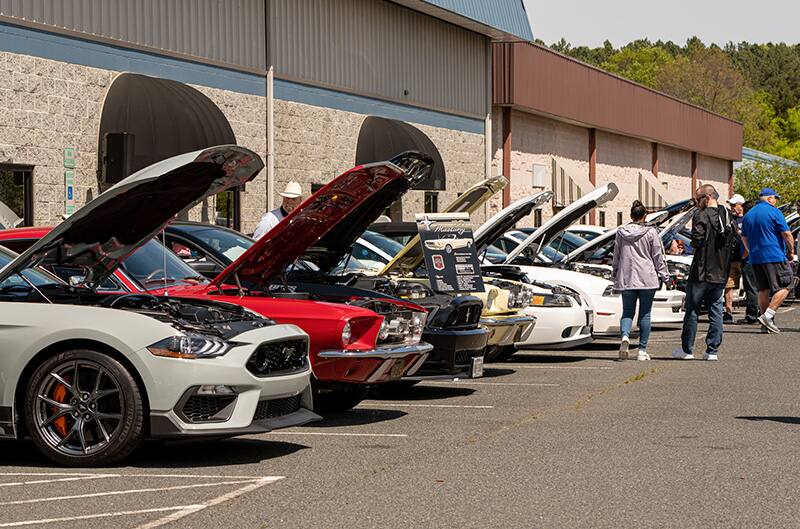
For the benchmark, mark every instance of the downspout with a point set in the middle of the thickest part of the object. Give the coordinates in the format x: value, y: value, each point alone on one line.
x: 487, y: 126
x: 270, y: 139
x: 270, y: 111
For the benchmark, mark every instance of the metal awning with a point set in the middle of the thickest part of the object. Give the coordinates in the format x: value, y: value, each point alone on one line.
x: 165, y: 117
x: 382, y: 139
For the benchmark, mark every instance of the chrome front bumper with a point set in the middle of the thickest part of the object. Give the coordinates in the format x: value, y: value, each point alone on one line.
x: 507, y: 330
x: 388, y: 355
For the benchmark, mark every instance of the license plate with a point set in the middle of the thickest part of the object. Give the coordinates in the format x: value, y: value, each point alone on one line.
x: 477, y: 367
x: 397, y: 369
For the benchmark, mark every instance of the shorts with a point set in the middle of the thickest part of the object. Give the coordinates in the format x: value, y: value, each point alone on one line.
x: 734, y: 275
x: 773, y: 276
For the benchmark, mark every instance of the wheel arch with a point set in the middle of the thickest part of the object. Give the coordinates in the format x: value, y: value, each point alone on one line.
x: 66, y: 345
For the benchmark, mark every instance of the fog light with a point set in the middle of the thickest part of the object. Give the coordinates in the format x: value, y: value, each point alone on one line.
x: 216, y: 390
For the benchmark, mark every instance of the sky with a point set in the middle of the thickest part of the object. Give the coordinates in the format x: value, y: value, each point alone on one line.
x: 590, y: 22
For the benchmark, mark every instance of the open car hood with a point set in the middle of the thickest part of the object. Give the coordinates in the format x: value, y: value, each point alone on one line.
x: 505, y: 219
x: 677, y: 223
x: 588, y: 249
x: 324, y: 227
x: 410, y: 257
x: 100, y: 235
x: 559, y: 222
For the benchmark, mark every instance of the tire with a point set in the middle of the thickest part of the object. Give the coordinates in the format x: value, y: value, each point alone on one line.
x: 110, y: 411
x: 493, y: 353
x: 506, y: 352
x: 339, y: 398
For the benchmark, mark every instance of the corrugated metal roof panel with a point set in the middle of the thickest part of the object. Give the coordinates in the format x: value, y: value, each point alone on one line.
x: 504, y: 20
x: 381, y: 50
x: 226, y: 31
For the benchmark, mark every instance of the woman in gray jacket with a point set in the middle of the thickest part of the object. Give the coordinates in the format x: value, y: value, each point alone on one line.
x: 639, y: 265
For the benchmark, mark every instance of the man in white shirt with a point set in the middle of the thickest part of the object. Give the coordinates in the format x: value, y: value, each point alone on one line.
x: 292, y: 197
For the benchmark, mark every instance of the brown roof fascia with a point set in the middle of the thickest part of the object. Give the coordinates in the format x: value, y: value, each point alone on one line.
x: 534, y: 78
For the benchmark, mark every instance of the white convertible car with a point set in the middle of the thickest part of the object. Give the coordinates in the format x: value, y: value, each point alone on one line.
x: 87, y: 375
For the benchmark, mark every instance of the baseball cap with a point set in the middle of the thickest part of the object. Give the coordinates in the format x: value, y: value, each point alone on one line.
x: 736, y: 199
x: 768, y: 192
x: 293, y: 190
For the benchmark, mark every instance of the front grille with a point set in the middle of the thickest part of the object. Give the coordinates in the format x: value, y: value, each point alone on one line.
x: 205, y: 408
x: 270, y: 409
x: 279, y: 358
x: 464, y: 358
x: 466, y: 314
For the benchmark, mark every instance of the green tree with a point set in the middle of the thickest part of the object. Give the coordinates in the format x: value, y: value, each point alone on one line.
x: 707, y: 78
x: 641, y: 64
x: 774, y: 68
x: 750, y: 177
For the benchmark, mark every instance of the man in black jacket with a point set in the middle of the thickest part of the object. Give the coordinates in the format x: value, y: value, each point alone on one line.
x: 713, y: 239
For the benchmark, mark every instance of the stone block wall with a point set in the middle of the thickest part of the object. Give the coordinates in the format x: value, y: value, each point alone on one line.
x: 314, y: 144
x: 49, y: 105
x: 620, y: 159
x: 715, y: 172
x: 675, y: 169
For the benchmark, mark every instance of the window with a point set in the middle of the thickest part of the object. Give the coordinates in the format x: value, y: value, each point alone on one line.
x: 603, y: 218
x: 619, y: 218
x: 537, y: 218
x: 16, y: 192
x: 431, y: 202
x: 228, y: 209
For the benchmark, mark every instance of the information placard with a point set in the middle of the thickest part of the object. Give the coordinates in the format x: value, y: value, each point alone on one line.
x: 449, y: 250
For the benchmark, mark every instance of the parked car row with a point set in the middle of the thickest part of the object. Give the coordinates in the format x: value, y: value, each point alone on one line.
x: 121, y: 323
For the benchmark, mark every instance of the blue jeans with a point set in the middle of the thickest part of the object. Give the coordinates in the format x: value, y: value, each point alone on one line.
x: 696, y: 292
x: 629, y: 299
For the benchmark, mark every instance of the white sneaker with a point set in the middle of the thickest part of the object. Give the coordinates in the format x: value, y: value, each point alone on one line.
x: 707, y: 356
x: 680, y: 355
x: 643, y: 356
x: 624, y: 345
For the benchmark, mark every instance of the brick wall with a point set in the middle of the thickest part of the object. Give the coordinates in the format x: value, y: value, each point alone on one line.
x: 715, y: 172
x: 675, y: 168
x: 621, y: 159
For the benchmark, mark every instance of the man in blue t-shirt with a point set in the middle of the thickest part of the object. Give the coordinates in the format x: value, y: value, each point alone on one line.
x: 770, y: 244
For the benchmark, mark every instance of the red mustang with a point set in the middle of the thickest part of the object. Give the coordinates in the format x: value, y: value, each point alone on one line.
x: 351, y: 347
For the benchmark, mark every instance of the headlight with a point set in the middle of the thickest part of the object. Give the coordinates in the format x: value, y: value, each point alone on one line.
x: 347, y: 334
x: 402, y: 328
x: 551, y: 300
x: 609, y: 291
x: 190, y: 346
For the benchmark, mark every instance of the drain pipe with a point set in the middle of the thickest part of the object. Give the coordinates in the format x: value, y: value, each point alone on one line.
x: 270, y: 140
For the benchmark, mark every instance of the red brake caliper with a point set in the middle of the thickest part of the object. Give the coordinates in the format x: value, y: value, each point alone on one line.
x: 60, y: 395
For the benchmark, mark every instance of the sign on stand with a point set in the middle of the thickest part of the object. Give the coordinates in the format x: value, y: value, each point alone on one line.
x: 449, y: 250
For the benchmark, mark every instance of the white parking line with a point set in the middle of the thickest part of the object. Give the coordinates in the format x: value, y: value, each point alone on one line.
x: 470, y: 383
x: 101, y: 515
x: 404, y: 405
x: 40, y: 481
x: 342, y: 434
x: 190, y: 509
x: 123, y: 492
x: 522, y: 366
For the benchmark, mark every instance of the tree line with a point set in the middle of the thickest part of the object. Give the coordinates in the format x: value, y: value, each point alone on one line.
x: 756, y: 84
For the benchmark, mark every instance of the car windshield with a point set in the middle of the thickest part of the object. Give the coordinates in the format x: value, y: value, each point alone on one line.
x: 384, y: 243
x: 226, y: 242
x: 153, y: 263
x: 567, y: 242
x: 495, y: 255
x: 552, y: 255
x: 37, y: 277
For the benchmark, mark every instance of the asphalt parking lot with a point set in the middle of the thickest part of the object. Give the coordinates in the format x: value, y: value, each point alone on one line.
x: 548, y: 439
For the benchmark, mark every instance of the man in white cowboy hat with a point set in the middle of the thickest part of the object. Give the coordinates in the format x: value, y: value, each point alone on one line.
x: 292, y: 197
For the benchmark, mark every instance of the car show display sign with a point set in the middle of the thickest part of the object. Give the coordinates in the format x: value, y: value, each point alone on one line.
x: 449, y: 251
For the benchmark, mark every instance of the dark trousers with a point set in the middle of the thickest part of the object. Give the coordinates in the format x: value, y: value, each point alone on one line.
x: 696, y: 293
x: 750, y: 291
